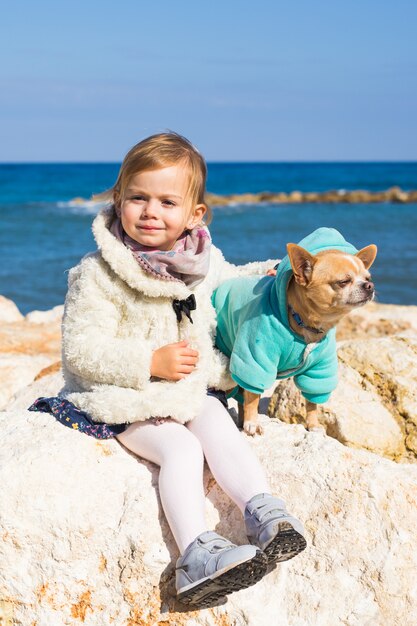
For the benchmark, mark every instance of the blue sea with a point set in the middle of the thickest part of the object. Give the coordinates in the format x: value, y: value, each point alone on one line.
x: 43, y: 232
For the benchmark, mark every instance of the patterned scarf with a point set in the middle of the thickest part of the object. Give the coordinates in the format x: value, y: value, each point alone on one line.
x: 188, y: 261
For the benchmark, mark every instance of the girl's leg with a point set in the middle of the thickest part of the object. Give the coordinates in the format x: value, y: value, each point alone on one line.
x: 178, y: 453
x: 232, y: 461
x: 239, y: 473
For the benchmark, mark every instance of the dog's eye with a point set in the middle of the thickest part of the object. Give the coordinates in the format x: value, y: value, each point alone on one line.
x: 343, y: 283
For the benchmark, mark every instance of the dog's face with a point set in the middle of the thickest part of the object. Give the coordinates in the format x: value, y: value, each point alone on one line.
x: 332, y: 279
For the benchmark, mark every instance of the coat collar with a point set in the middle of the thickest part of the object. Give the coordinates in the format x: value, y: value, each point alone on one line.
x: 122, y: 262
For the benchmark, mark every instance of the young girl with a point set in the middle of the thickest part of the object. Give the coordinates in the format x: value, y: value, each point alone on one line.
x: 139, y: 364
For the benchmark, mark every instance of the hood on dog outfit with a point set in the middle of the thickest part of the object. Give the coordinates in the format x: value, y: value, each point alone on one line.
x: 254, y: 331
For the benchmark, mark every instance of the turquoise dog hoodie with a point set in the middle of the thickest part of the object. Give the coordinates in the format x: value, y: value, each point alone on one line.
x: 253, y: 329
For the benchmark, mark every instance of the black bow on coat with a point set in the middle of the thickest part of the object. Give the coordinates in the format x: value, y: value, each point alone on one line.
x: 184, y: 306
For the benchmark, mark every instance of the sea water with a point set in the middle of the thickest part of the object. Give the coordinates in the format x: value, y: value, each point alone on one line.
x: 44, y: 232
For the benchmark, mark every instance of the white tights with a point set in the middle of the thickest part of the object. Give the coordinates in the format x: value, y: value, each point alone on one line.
x: 179, y: 450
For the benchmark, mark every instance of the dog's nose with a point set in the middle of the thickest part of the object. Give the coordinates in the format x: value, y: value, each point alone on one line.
x: 368, y: 285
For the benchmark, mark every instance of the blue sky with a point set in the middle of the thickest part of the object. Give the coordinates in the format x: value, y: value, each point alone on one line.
x: 245, y: 81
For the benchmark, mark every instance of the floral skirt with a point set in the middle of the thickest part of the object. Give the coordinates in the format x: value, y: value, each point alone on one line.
x: 67, y: 414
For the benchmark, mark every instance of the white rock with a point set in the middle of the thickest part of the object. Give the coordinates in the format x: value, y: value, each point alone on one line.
x: 26, y: 348
x: 17, y: 371
x: 52, y: 316
x: 377, y: 320
x: 85, y: 540
x: 391, y: 364
x: 9, y: 311
x: 46, y: 386
x: 356, y: 416
x: 375, y: 403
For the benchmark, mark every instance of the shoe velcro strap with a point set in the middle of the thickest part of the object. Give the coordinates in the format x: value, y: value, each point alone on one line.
x: 217, y: 542
x: 264, y: 509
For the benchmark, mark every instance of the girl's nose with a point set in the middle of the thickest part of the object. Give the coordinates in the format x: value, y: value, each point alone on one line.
x: 151, y: 208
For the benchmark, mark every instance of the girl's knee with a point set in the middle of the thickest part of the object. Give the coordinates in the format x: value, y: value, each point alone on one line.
x: 187, y: 445
x: 165, y: 442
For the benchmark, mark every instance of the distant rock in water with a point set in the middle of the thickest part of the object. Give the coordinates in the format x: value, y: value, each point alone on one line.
x: 341, y: 196
x: 337, y: 196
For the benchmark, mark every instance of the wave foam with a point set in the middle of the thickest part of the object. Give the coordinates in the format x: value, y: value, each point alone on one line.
x: 82, y: 205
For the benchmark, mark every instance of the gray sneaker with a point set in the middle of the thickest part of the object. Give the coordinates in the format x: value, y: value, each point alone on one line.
x: 270, y: 527
x: 211, y: 567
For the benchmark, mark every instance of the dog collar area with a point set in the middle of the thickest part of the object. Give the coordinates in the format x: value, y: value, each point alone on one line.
x: 299, y: 322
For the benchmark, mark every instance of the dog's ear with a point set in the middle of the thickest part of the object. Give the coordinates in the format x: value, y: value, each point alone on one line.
x: 367, y: 255
x: 302, y: 263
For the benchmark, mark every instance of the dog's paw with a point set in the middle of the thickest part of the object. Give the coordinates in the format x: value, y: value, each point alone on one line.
x: 253, y: 428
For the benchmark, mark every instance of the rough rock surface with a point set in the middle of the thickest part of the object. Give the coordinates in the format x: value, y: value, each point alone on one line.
x: 333, y: 196
x: 84, y: 539
x: 48, y: 384
x: 375, y: 404
x: 28, y: 345
x: 378, y: 320
x: 9, y: 311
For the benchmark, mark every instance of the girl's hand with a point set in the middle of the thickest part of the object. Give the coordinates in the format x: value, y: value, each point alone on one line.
x: 173, y: 361
x: 272, y: 272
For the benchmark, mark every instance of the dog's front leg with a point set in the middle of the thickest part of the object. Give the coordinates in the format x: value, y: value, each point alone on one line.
x: 250, y: 413
x: 312, y: 418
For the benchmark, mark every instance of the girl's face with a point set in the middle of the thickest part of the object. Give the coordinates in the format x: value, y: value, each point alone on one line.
x: 154, y: 212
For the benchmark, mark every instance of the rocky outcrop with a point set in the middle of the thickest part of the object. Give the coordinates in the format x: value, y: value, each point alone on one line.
x: 338, y: 196
x: 375, y: 404
x: 378, y: 320
x: 28, y: 347
x: 84, y: 539
x: 333, y: 196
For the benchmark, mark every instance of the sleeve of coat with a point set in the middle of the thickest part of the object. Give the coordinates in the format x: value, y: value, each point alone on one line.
x: 227, y: 270
x: 317, y: 383
x: 90, y: 344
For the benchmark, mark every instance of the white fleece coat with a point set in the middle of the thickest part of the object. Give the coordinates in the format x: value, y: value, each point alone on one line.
x: 116, y: 315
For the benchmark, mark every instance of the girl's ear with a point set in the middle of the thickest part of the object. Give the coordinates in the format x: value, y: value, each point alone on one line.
x: 196, y: 216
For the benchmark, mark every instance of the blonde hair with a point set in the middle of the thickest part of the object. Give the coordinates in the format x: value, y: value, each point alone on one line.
x: 156, y: 152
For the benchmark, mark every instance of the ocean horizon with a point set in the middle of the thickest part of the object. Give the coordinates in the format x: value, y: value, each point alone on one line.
x: 44, y: 232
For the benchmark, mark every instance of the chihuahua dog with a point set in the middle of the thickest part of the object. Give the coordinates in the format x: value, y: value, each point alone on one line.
x: 284, y: 325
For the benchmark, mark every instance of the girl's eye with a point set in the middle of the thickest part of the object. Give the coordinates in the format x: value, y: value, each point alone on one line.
x: 138, y: 198
x: 168, y: 203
